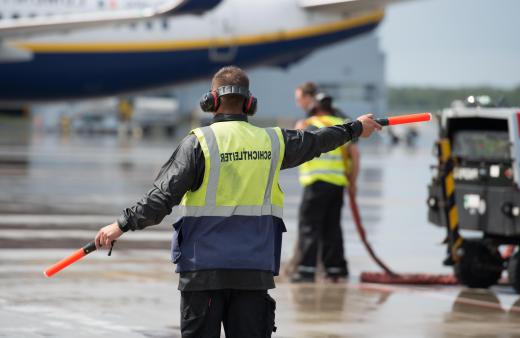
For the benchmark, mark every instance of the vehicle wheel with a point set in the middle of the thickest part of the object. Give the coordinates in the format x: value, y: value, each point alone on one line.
x: 513, y: 271
x: 479, y: 265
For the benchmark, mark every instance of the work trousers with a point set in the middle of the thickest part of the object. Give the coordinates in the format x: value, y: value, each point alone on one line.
x: 320, y: 224
x: 244, y: 313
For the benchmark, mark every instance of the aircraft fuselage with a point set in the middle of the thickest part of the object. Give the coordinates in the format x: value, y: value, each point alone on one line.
x: 171, y: 51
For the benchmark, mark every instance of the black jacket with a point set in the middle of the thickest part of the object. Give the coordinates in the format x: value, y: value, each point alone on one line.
x: 185, y: 170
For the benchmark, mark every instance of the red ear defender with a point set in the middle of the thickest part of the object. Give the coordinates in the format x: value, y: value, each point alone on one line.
x: 249, y: 101
x: 216, y: 101
x: 250, y: 105
x: 210, y: 101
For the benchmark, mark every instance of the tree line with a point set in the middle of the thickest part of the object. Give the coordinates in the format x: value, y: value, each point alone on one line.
x: 432, y: 99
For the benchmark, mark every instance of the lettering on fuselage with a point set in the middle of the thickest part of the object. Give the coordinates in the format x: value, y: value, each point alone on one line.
x: 245, y: 155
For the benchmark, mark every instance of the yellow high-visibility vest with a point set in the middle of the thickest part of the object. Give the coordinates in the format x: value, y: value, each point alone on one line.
x: 330, y: 167
x: 234, y: 219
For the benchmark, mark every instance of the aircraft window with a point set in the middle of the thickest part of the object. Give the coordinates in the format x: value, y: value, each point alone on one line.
x: 15, y: 16
x: 149, y: 24
x: 32, y: 15
x: 133, y: 25
x: 1, y: 16
x: 165, y: 24
x: 101, y: 4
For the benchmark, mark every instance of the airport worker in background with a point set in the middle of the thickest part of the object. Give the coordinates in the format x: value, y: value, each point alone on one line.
x: 224, y: 177
x: 324, y: 180
x: 351, y: 156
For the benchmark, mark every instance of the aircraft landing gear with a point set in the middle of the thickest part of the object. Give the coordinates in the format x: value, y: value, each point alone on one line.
x: 480, y: 264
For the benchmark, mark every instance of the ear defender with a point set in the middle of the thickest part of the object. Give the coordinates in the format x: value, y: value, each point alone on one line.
x: 250, y: 105
x: 210, y: 101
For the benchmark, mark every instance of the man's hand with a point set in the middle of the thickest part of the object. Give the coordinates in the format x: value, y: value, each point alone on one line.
x: 369, y: 125
x: 107, y: 234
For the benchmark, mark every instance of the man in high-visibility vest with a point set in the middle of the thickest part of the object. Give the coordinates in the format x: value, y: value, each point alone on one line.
x: 224, y: 178
x: 324, y: 180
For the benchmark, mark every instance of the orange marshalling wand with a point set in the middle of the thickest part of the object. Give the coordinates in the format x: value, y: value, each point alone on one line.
x: 412, y: 118
x: 77, y: 255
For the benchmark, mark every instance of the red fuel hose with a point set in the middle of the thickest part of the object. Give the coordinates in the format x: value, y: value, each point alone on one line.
x: 362, y: 234
x: 389, y: 276
x: 77, y: 255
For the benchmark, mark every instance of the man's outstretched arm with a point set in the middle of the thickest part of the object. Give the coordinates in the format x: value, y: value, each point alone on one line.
x: 302, y: 146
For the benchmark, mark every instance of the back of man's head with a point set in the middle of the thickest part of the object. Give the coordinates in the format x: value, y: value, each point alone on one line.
x: 227, y: 76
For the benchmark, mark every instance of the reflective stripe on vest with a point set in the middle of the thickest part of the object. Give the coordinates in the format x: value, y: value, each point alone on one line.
x: 271, y: 200
x: 329, y: 167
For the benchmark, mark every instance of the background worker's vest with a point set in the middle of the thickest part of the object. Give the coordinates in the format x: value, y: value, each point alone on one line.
x: 234, y: 219
x: 329, y: 167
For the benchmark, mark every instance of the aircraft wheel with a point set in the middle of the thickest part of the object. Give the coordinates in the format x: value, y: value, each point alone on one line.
x: 513, y: 271
x: 479, y: 266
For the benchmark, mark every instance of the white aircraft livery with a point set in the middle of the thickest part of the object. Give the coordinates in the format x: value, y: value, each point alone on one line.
x: 63, y: 49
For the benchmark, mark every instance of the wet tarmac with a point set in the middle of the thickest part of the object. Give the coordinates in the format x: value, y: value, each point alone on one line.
x: 55, y: 192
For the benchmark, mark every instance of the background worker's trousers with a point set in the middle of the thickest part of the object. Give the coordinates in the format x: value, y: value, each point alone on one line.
x: 244, y: 313
x: 320, y: 223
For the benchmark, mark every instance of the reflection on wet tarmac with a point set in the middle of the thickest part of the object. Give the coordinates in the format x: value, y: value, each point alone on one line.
x: 484, y: 314
x: 56, y: 192
x: 309, y: 299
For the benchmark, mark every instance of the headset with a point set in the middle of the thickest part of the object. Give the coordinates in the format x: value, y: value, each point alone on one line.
x: 210, y: 101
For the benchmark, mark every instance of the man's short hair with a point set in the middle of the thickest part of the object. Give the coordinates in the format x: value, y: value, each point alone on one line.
x: 230, y: 75
x: 308, y: 88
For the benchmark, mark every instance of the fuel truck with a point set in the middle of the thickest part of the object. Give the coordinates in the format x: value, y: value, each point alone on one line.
x: 475, y: 192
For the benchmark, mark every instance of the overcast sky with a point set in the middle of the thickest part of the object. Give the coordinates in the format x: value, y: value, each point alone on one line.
x: 452, y: 43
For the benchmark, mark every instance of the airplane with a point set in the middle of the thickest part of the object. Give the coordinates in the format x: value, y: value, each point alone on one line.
x: 128, y: 53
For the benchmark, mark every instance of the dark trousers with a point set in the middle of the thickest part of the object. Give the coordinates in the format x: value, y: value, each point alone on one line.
x: 244, y: 313
x: 319, y: 223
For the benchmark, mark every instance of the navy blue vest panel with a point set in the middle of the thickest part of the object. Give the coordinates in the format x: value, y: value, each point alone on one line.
x: 236, y: 242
